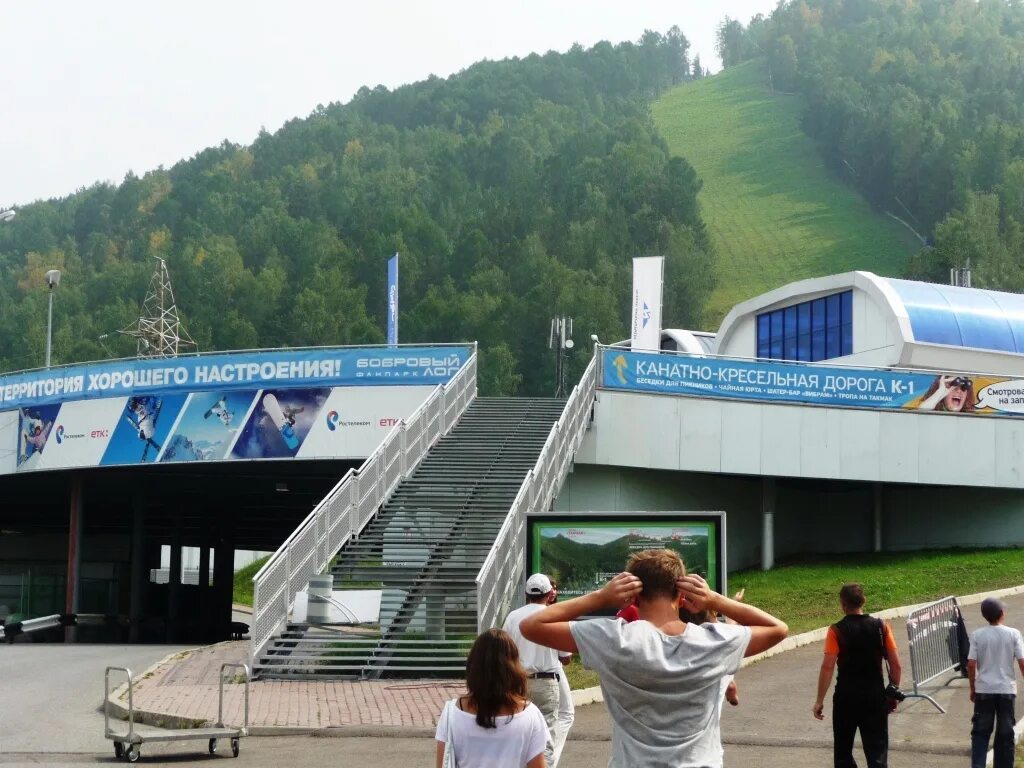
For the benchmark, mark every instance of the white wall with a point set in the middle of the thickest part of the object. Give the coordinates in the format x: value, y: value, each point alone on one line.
x: 723, y: 436
x: 812, y: 516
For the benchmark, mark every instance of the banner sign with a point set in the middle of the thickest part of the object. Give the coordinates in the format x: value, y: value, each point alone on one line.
x: 647, y: 290
x: 241, y: 424
x: 329, y: 367
x: 810, y: 384
x: 393, y: 300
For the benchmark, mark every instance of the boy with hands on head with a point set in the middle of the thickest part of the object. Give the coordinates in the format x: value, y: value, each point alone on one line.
x: 660, y: 676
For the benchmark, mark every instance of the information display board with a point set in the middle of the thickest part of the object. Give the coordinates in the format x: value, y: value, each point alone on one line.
x: 581, y: 551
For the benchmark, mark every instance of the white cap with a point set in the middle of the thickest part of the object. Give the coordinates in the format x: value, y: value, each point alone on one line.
x: 538, y: 584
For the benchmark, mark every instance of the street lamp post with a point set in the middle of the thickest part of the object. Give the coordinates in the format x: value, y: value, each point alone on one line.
x: 52, y: 280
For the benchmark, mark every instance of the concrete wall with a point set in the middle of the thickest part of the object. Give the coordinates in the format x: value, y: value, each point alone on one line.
x: 812, y: 517
x: 732, y: 437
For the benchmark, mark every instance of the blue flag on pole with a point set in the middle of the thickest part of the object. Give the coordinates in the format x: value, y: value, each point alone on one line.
x: 393, y: 300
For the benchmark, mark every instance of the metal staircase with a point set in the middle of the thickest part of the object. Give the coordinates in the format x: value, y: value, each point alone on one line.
x: 424, y: 550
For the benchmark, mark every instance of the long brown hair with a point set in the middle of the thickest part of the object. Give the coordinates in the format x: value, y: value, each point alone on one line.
x: 494, y: 677
x: 941, y: 405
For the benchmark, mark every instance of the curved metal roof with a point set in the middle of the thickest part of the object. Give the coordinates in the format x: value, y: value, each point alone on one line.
x: 963, y: 317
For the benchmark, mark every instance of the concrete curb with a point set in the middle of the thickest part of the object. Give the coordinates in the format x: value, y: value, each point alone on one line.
x: 119, y: 711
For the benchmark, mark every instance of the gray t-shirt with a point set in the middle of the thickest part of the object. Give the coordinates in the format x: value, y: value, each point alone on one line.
x: 996, y: 648
x: 662, y: 691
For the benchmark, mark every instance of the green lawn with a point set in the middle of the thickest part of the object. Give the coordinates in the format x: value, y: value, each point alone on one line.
x: 774, y: 212
x: 805, y: 593
x: 243, y: 581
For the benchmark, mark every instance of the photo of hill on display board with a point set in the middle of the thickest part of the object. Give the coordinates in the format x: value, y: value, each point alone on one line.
x: 581, y: 555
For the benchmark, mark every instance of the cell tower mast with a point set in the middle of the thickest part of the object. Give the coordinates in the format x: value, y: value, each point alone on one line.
x: 159, y: 332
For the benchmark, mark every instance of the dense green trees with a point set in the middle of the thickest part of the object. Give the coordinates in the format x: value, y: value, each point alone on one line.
x: 514, y: 190
x: 921, y: 105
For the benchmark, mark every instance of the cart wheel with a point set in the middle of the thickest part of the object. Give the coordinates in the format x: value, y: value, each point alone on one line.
x: 234, y: 747
x: 213, y: 746
x: 118, y: 750
x: 132, y: 754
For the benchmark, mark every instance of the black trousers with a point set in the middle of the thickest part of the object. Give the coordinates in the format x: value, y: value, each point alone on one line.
x: 870, y: 714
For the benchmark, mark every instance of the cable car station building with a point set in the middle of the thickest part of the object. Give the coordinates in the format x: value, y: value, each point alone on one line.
x: 838, y: 414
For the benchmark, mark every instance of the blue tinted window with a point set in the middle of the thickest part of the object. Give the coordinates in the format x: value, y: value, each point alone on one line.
x: 847, y: 326
x: 789, y: 333
x: 803, y: 330
x: 832, y: 348
x: 813, y: 330
x: 818, y: 315
x: 763, y: 335
x: 817, y: 346
x: 833, y: 311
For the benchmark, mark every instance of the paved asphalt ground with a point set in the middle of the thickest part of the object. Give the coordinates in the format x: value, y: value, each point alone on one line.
x: 50, y: 693
x: 50, y: 696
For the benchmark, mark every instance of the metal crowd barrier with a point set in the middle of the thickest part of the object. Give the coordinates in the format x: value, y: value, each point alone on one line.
x: 934, y: 644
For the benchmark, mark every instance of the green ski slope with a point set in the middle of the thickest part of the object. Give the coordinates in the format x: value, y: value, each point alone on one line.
x: 774, y: 212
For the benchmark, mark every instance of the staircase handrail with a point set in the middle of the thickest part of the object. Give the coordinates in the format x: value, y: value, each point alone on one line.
x: 350, y: 505
x: 500, y: 577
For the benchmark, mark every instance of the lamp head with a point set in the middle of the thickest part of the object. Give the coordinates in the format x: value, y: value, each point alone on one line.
x: 7, y: 215
x: 53, y: 278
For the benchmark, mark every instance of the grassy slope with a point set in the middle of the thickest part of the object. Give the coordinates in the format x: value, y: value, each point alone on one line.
x: 774, y: 212
x: 806, y: 593
x: 243, y: 581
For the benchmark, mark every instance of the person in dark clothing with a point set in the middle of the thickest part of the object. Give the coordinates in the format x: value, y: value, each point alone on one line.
x: 857, y: 645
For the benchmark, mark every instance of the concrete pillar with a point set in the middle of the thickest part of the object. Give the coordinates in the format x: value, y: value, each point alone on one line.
x: 139, y: 576
x: 174, y: 582
x: 767, y: 523
x: 219, y: 614
x: 877, y: 539
x: 76, y: 525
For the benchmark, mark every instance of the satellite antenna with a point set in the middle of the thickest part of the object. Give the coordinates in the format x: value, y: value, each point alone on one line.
x: 158, y: 332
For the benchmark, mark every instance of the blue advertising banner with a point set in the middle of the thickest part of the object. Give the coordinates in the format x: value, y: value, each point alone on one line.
x: 393, y: 300
x: 811, y: 384
x: 327, y: 367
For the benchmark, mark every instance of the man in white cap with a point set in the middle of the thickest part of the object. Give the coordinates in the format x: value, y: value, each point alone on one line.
x: 542, y: 664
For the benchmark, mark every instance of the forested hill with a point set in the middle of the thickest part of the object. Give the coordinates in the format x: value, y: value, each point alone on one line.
x: 514, y: 190
x: 921, y: 106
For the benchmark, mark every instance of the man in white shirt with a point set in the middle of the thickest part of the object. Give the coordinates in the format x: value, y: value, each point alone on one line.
x: 990, y: 669
x: 661, y: 677
x: 542, y: 665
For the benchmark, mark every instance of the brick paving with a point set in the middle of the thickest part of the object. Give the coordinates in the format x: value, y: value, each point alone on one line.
x: 185, y: 686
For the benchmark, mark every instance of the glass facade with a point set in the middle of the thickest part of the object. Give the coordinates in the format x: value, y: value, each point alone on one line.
x: 814, y: 330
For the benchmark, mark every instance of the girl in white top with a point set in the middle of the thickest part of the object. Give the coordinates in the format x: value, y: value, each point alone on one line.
x: 494, y: 726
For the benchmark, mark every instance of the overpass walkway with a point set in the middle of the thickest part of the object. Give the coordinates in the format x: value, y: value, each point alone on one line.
x: 436, y: 535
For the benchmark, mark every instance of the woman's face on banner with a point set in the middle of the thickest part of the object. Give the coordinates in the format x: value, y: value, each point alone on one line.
x: 956, y: 398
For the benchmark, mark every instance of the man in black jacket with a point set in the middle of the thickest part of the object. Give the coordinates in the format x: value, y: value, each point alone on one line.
x: 857, y: 645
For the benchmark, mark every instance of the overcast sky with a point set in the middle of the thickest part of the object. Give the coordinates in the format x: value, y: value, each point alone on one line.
x: 91, y: 90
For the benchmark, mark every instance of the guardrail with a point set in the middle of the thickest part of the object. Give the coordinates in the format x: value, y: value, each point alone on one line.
x: 10, y: 631
x: 350, y: 505
x: 934, y: 644
x: 500, y: 577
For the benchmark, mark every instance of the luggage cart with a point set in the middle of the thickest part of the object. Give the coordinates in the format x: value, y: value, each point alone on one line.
x: 128, y: 737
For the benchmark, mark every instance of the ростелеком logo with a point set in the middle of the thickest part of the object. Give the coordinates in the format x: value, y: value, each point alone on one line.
x: 60, y: 434
x: 332, y: 420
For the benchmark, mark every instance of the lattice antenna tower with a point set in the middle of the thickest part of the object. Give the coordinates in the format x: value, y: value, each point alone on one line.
x: 159, y: 332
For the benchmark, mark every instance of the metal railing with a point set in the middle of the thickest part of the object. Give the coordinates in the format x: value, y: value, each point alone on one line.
x: 42, y: 623
x: 350, y: 505
x: 934, y: 643
x: 500, y: 577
